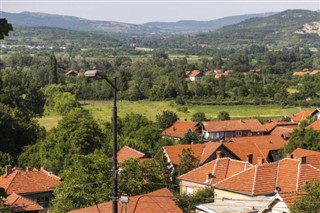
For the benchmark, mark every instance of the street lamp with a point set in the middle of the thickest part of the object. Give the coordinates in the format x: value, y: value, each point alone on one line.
x: 98, y: 74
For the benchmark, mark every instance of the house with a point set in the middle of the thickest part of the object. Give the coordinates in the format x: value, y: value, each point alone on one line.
x: 252, y: 148
x: 312, y: 157
x: 194, y: 75
x: 72, y: 73
x: 158, y: 201
x: 18, y: 203
x: 280, y: 128
x: 314, y: 72
x: 225, y: 130
x: 305, y: 114
x: 286, y: 176
x: 300, y: 116
x: 36, y: 185
x: 301, y: 73
x: 211, y: 173
x: 204, y: 152
x: 226, y: 205
x: 126, y: 153
x: 279, y: 203
x: 180, y: 128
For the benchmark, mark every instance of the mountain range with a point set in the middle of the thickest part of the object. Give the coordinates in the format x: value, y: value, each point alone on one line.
x: 30, y: 19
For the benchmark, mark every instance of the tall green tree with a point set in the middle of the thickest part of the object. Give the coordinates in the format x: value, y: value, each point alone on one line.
x: 77, y: 133
x: 309, y: 202
x: 166, y: 119
x: 53, y: 74
x: 187, y: 161
x: 302, y: 138
x: 86, y: 182
x: 5, y: 28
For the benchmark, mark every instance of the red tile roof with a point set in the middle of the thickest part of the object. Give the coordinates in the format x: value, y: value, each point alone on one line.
x: 159, y: 201
x: 315, y: 72
x: 174, y: 151
x: 20, y: 181
x: 21, y: 204
x: 194, y: 73
x: 252, y: 125
x: 301, y: 73
x: 284, y: 132
x: 272, y: 125
x: 313, y: 157
x: 315, y: 125
x: 180, y: 128
x: 258, y: 146
x: 287, y: 175
x: 219, y: 169
x: 290, y: 197
x: 126, y: 152
x: 201, y: 151
x: 300, y: 116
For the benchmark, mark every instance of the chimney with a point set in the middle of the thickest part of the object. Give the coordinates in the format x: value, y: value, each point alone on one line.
x: 27, y: 169
x: 8, y: 169
x: 260, y: 160
x: 249, y: 157
x: 290, y: 156
x: 303, y: 159
x: 209, y: 176
x: 219, y: 154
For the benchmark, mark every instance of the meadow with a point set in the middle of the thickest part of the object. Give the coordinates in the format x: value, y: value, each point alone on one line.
x: 102, y: 110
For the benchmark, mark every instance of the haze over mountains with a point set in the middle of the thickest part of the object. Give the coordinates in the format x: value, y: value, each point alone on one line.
x: 30, y: 19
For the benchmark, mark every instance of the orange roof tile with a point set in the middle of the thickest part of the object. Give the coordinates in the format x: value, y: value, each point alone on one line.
x: 288, y: 175
x: 180, y: 128
x: 290, y: 197
x: 315, y: 125
x: 300, y: 116
x: 194, y: 73
x: 272, y: 125
x: 21, y: 204
x: 201, y: 151
x: 126, y: 152
x: 252, y: 125
x: 220, y: 169
x: 174, y: 151
x: 284, y: 131
x: 313, y: 157
x: 315, y: 72
x: 158, y: 201
x: 258, y: 146
x: 300, y: 73
x: 20, y: 181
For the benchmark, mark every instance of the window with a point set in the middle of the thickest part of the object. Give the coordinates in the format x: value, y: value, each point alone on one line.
x: 238, y: 133
x: 189, y: 191
x: 249, y: 133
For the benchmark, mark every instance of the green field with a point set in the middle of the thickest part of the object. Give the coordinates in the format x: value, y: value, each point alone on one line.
x: 102, y: 110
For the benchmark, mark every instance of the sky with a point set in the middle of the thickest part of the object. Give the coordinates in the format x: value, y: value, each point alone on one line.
x: 143, y: 11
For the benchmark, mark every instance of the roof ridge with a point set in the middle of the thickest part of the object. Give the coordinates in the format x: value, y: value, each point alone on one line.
x: 214, y: 168
x: 227, y: 168
x: 255, y: 143
x: 15, y: 175
x: 298, y: 176
x: 254, y: 179
x: 135, y: 150
x: 277, y: 173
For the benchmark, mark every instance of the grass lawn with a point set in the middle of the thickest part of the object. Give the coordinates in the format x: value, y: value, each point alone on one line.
x: 102, y: 111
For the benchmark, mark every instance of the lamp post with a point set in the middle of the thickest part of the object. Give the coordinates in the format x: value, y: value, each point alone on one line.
x: 98, y: 74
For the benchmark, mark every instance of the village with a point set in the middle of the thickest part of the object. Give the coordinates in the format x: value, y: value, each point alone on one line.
x: 238, y: 159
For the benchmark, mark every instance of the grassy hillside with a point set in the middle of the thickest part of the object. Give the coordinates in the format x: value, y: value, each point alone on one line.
x: 278, y: 30
x: 102, y: 111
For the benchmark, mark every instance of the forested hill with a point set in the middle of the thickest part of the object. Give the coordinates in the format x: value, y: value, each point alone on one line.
x: 279, y: 30
x: 29, y: 19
